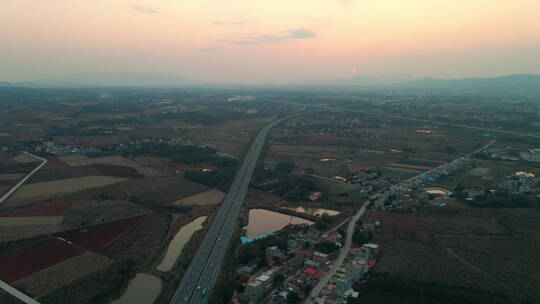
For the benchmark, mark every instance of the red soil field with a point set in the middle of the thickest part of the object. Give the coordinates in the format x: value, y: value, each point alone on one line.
x: 20, y: 263
x: 42, y: 209
x: 97, y: 237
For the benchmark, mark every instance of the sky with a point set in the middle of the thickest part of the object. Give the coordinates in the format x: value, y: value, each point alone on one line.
x: 269, y: 41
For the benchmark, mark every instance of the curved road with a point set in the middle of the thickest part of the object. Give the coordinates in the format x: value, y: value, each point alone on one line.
x: 342, y: 255
x: 199, y: 279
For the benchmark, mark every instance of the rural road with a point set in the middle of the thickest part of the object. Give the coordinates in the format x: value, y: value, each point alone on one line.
x: 342, y: 255
x: 350, y: 230
x: 17, y: 294
x: 22, y: 181
x: 198, y: 281
x: 3, y: 285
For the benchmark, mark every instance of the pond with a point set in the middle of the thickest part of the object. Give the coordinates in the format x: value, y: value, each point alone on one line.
x: 179, y: 241
x: 263, y: 221
x: 143, y: 289
x: 313, y: 211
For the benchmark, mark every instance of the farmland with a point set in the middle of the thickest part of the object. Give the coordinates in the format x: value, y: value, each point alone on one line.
x: 462, y: 248
x: 207, y: 198
x: 45, y: 281
x: 51, y: 189
x: 97, y: 237
x: 22, y: 262
x: 162, y: 190
x: 339, y: 144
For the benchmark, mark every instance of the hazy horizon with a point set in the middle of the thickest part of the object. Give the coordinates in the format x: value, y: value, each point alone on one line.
x: 264, y: 42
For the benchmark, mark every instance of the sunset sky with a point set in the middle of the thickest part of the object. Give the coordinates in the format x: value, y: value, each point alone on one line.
x: 269, y: 41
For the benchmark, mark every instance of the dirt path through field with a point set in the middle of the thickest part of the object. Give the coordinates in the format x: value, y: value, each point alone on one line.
x: 455, y: 255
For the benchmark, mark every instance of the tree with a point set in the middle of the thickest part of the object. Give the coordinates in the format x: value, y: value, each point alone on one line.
x: 293, y: 298
x: 285, y: 167
x: 278, y: 279
x: 262, y: 263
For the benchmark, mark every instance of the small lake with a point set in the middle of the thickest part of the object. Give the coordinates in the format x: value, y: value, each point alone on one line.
x: 143, y: 289
x: 313, y: 211
x: 179, y: 241
x: 263, y: 221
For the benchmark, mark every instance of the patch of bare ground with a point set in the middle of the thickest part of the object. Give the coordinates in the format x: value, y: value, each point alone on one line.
x: 50, y: 279
x: 210, y: 197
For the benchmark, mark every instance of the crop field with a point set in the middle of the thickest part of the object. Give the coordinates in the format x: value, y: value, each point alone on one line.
x: 63, y: 186
x: 483, y: 249
x: 159, y: 164
x: 162, y: 190
x: 20, y: 263
x: 116, y: 160
x: 426, y: 263
x: 230, y: 137
x: 45, y: 281
x: 55, y: 163
x: 207, y: 198
x: 357, y: 144
x: 96, y: 237
x: 113, y: 191
x: 115, y: 170
x: 30, y: 220
x: 11, y: 177
x: 45, y: 175
x: 14, y: 168
x: 142, y: 242
x: 51, y: 208
x: 23, y: 158
x: 93, y: 211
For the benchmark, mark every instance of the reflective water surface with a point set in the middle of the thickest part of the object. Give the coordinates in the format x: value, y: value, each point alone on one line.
x: 263, y: 221
x: 179, y: 241
x: 143, y: 289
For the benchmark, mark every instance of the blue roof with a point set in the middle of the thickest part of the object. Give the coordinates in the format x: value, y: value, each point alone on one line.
x: 246, y: 240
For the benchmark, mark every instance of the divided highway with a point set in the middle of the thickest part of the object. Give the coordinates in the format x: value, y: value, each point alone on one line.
x: 199, y: 279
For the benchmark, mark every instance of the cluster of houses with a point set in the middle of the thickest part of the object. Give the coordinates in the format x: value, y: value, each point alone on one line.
x: 294, y: 272
x: 377, y: 178
x: 402, y: 194
x: 340, y: 287
x: 521, y: 182
x: 51, y: 148
x: 514, y: 154
x: 297, y: 269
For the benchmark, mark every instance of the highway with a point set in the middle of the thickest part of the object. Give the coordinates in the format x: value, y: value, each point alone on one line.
x: 198, y: 281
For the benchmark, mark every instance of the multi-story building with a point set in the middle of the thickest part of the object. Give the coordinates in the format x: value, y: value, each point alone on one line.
x: 357, y: 269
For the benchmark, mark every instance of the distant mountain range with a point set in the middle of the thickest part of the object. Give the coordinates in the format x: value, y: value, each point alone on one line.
x: 523, y: 84
x: 107, y: 80
x: 364, y: 80
x: 519, y: 84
